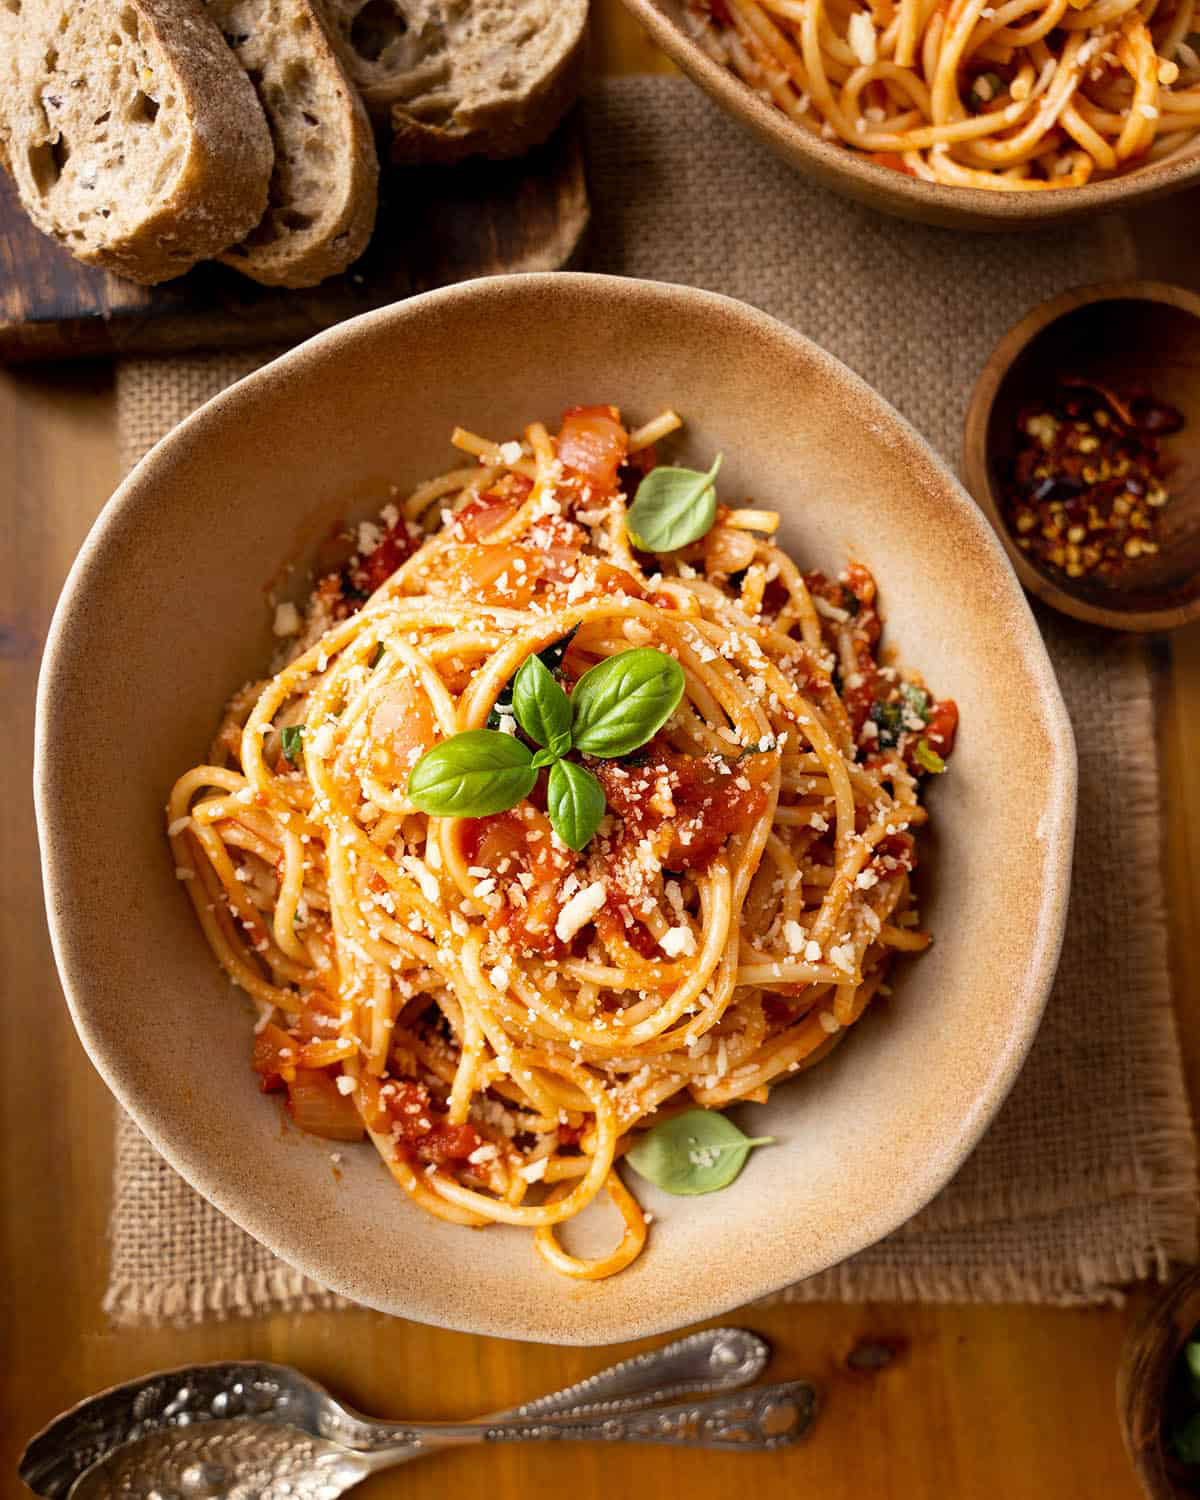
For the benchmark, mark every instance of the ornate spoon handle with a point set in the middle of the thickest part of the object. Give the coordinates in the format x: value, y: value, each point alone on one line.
x: 769, y: 1416
x: 716, y: 1359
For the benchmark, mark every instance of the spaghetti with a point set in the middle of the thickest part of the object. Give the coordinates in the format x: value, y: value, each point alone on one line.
x: 499, y: 1013
x: 1015, y: 96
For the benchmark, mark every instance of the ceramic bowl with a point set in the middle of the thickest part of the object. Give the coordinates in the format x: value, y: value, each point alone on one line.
x: 854, y: 175
x: 1148, y: 1388
x: 1128, y: 335
x: 165, y: 613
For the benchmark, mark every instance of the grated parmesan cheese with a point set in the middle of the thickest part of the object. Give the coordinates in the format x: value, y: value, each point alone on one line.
x: 861, y: 36
x: 579, y: 911
x: 287, y: 620
x: 678, y: 942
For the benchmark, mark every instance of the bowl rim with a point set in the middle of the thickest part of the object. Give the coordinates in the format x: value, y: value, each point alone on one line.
x: 927, y: 1177
x: 977, y: 468
x: 874, y: 182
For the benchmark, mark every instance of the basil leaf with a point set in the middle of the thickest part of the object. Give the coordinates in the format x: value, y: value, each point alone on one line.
x: 550, y: 656
x: 672, y: 508
x: 1191, y: 1357
x: 543, y: 758
x: 926, y: 756
x: 292, y: 739
x: 697, y: 1152
x: 541, y: 707
x: 575, y: 802
x: 622, y: 702
x: 472, y: 775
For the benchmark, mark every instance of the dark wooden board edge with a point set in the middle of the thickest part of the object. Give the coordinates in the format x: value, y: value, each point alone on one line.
x: 436, y: 226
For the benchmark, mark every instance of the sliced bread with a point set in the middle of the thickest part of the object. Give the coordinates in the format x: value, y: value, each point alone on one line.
x: 456, y: 78
x: 323, y: 193
x: 133, y: 135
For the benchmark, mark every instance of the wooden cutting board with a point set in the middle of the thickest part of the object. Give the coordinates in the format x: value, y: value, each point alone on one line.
x: 436, y: 225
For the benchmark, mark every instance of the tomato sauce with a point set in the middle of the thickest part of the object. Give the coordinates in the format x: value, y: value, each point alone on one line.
x: 417, y: 1125
x: 592, y: 443
x: 490, y: 510
x: 702, y: 804
x: 615, y: 920
x: 511, y: 844
x: 399, y: 543
x: 942, y: 726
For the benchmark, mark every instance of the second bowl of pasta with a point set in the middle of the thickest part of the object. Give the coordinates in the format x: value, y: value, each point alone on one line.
x: 969, y: 116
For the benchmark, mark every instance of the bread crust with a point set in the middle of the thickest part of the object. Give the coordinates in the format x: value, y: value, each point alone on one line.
x: 438, y: 75
x: 273, y: 253
x: 219, y: 191
x: 498, y: 132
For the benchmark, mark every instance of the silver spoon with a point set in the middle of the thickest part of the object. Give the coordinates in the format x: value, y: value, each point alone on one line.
x: 261, y: 1416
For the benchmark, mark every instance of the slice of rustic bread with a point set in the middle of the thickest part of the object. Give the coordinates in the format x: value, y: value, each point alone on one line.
x: 324, y: 187
x: 134, y: 137
x: 458, y: 78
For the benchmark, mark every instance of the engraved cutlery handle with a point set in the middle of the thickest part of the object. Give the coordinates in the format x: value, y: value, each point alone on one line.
x: 766, y: 1417
x: 714, y: 1360
x: 717, y: 1359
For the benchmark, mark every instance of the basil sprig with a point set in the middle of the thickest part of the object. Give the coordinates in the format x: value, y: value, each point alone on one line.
x: 697, y: 1152
x: 672, y: 508
x: 617, y: 706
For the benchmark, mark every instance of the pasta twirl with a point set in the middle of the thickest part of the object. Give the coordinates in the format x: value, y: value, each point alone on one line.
x: 498, y: 1012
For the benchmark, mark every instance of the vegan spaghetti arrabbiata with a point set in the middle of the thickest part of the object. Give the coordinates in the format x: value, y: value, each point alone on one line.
x: 571, y: 806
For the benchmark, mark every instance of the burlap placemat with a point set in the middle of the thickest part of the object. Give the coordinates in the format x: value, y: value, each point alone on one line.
x: 1087, y: 1178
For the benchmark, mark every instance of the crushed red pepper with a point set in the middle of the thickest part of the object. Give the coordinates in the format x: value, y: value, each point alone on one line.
x: 1085, y: 488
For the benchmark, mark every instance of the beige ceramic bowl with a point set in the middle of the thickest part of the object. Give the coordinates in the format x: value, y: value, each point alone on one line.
x: 164, y: 613
x: 854, y: 175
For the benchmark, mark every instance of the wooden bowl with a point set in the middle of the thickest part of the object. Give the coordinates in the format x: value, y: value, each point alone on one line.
x: 1131, y: 333
x: 855, y: 175
x: 164, y: 614
x: 1147, y: 1360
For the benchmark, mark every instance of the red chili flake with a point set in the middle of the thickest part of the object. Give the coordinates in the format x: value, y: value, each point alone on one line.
x: 1085, y: 487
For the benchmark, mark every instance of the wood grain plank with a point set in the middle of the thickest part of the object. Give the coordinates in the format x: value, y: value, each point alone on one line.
x: 436, y: 225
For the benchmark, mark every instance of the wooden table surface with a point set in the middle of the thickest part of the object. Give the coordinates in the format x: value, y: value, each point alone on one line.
x: 982, y: 1401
